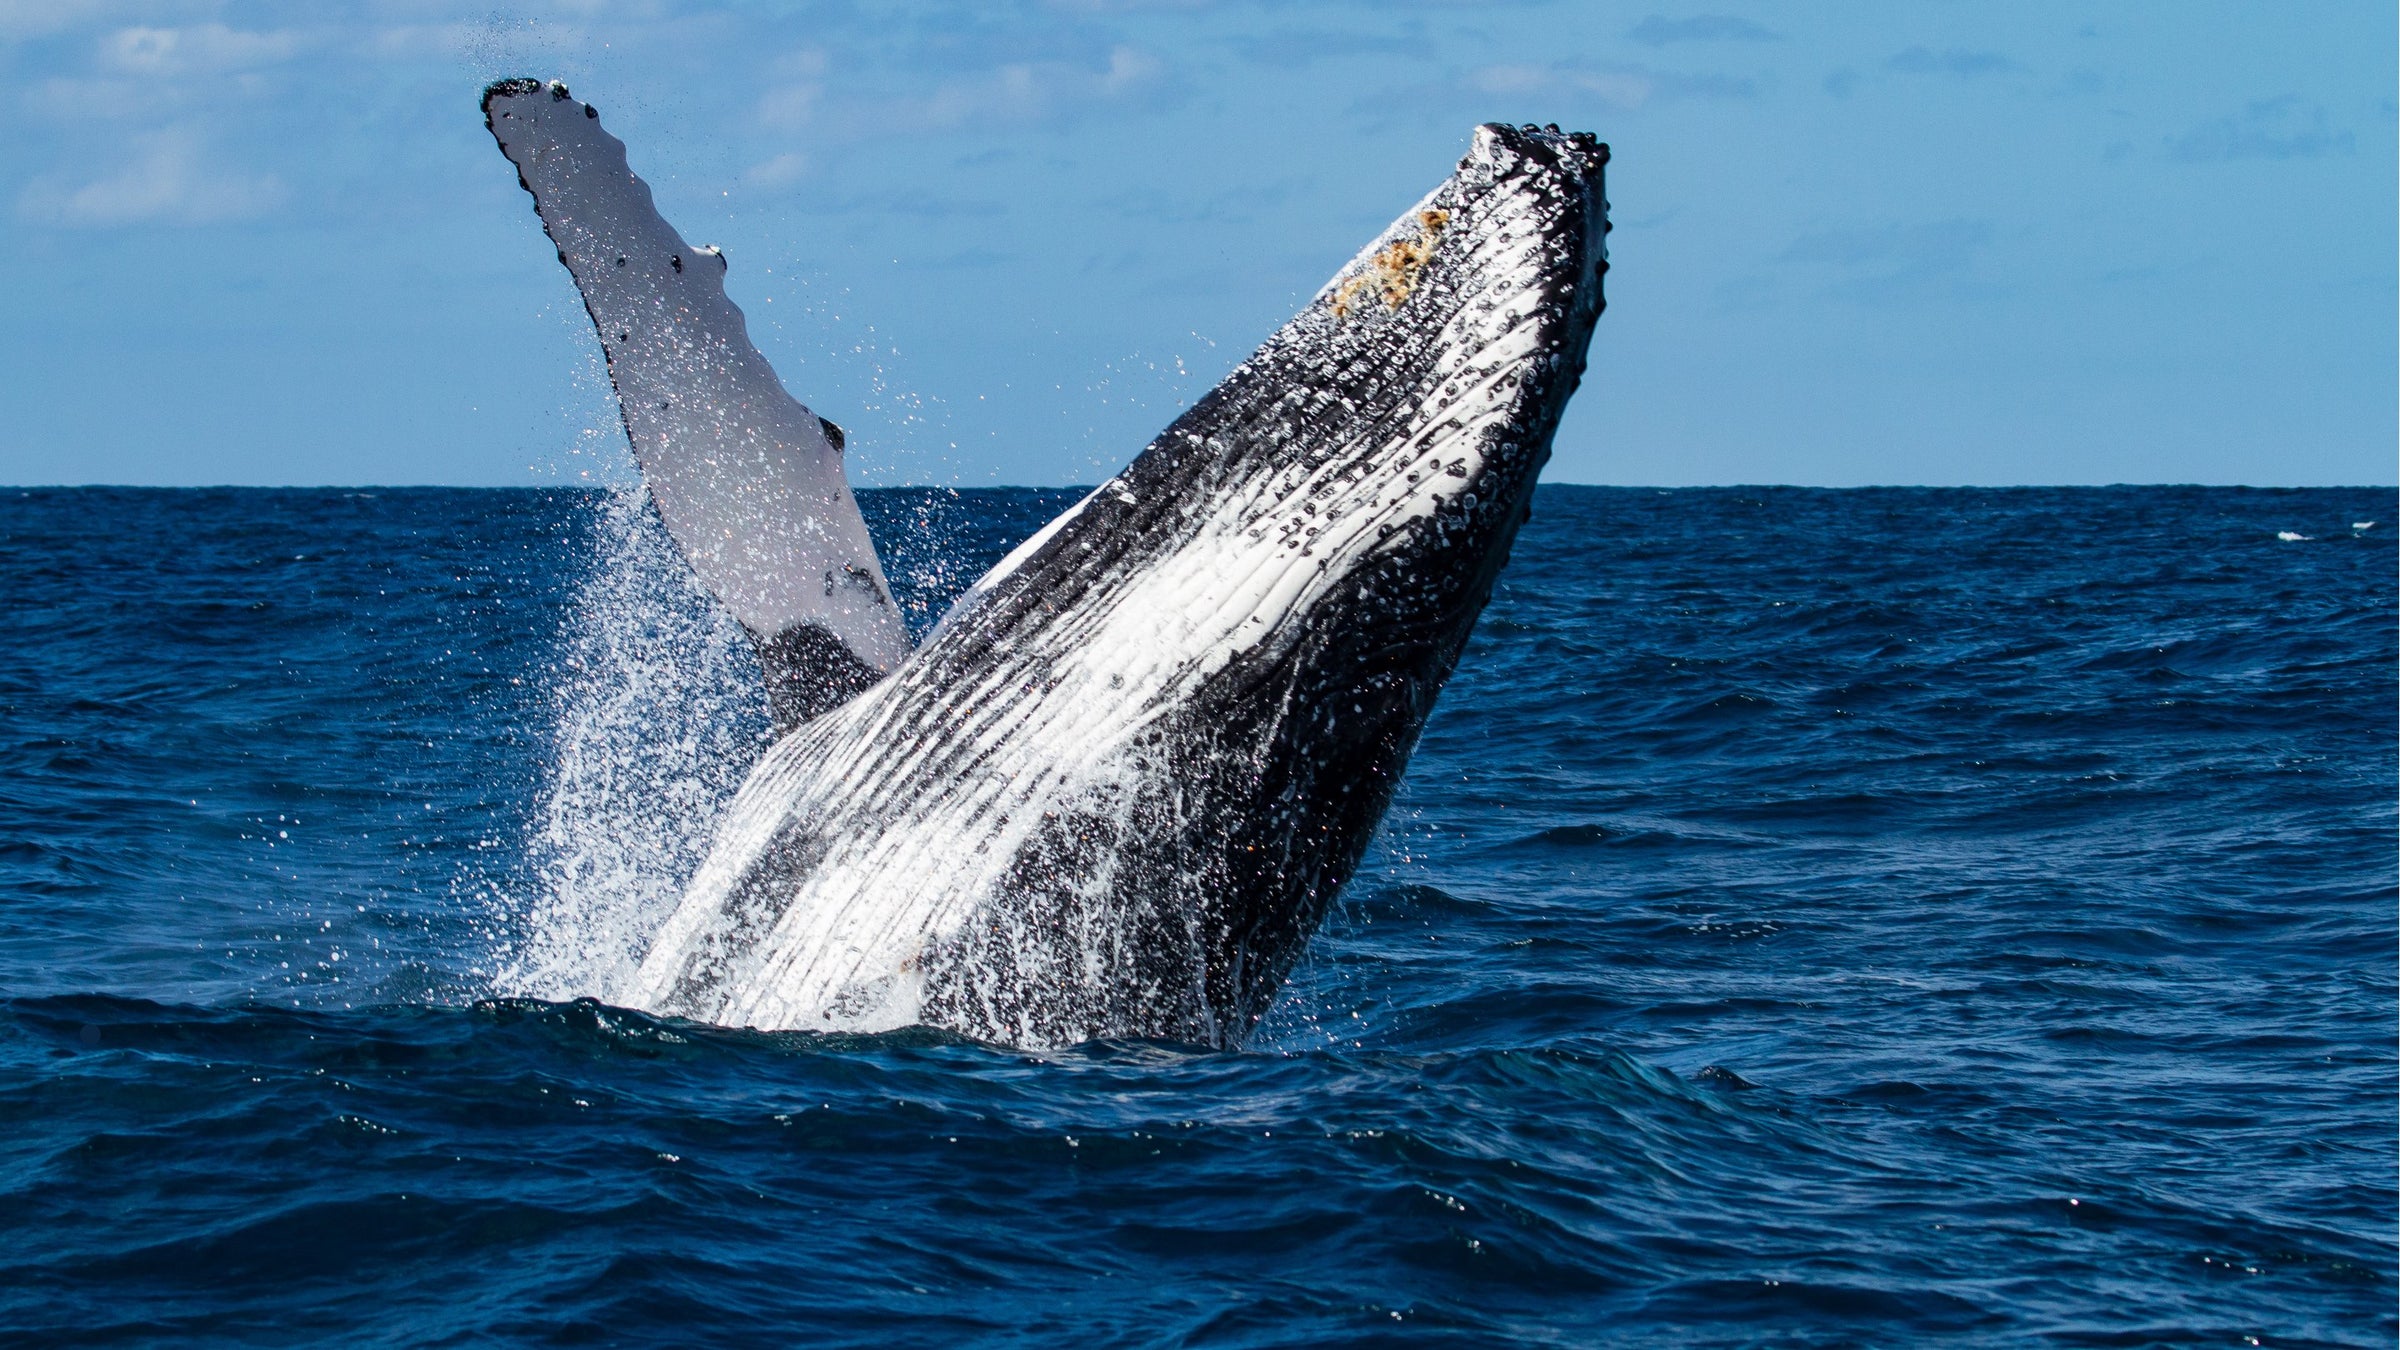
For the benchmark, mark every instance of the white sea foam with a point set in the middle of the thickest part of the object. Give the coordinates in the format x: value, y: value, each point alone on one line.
x: 658, y: 714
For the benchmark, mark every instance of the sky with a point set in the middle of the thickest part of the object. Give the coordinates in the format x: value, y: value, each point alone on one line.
x: 1856, y: 243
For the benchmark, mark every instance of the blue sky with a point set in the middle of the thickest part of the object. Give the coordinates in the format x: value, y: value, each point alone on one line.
x: 1857, y: 243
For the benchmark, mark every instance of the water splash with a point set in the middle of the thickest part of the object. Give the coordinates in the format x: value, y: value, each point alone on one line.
x: 657, y: 715
x: 659, y: 712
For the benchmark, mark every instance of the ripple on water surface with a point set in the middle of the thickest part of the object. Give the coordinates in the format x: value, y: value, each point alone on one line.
x: 1813, y: 917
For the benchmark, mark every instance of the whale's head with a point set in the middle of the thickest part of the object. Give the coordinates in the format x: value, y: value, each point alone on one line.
x: 1405, y: 411
x: 1384, y: 445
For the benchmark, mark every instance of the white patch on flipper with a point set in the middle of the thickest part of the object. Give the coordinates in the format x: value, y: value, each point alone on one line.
x: 743, y: 474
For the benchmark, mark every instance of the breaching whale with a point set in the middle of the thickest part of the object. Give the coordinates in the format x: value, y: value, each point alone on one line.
x: 1116, y: 788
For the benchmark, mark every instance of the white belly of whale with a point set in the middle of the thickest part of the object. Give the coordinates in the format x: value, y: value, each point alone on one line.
x: 912, y: 809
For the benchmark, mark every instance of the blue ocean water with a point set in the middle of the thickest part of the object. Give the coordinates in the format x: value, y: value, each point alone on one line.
x: 1812, y: 918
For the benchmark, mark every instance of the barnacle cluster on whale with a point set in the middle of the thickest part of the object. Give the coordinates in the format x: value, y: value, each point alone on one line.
x: 1115, y: 789
x: 1394, y: 268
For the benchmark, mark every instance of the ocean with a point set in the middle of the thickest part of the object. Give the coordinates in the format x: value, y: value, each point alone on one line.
x: 1866, y: 917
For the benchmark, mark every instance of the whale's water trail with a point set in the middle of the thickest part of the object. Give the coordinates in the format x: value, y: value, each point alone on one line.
x: 1116, y: 789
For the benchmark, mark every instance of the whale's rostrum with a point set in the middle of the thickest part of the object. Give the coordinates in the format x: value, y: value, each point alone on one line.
x: 1115, y: 790
x: 748, y: 481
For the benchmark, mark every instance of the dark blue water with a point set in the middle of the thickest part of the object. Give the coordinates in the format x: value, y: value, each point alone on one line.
x: 1812, y: 918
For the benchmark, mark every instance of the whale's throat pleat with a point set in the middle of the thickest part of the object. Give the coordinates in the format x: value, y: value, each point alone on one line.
x: 1115, y: 791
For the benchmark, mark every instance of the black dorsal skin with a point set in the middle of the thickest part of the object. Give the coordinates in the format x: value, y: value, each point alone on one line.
x: 1114, y: 793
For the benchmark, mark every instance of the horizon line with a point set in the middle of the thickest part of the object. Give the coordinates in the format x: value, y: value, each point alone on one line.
x: 1087, y: 487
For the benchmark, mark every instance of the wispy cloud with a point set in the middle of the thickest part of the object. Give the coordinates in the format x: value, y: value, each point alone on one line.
x: 1955, y: 62
x: 916, y: 204
x: 1889, y: 262
x: 1010, y: 94
x: 1251, y: 201
x: 1032, y: 91
x: 39, y: 18
x: 404, y: 41
x: 1292, y: 48
x: 791, y: 101
x: 1950, y: 61
x: 965, y: 259
x: 1931, y: 245
x: 1130, y: 6
x: 90, y: 99
x: 201, y: 49
x: 167, y: 179
x: 2274, y: 128
x: 148, y: 75
x: 1658, y: 30
x: 777, y: 170
x: 1621, y: 86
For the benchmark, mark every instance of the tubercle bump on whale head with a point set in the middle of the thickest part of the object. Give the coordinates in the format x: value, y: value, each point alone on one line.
x: 1495, y: 142
x: 1580, y: 158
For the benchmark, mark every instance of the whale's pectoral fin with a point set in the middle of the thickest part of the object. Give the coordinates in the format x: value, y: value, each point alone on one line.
x: 749, y: 482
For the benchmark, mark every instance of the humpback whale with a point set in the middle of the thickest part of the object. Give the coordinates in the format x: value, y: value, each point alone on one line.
x: 1118, y: 785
